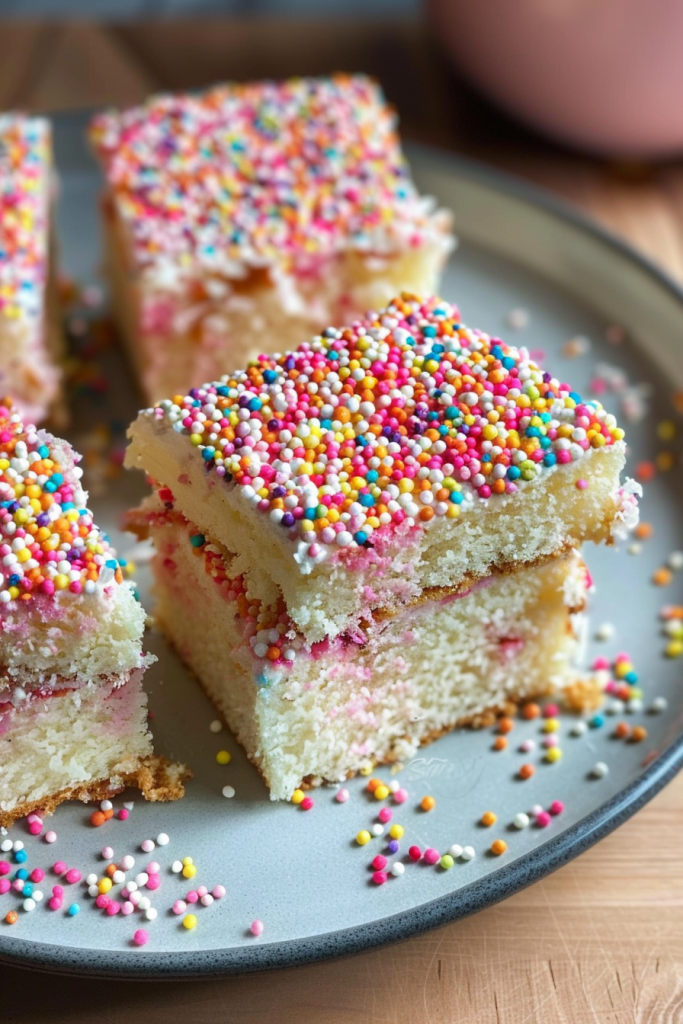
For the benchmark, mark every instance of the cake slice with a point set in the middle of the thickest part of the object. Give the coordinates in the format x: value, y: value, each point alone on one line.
x: 402, y: 455
x: 29, y: 319
x: 382, y: 527
x: 248, y: 217
x: 73, y: 714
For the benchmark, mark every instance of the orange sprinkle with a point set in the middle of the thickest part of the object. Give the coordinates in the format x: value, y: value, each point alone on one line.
x: 11, y: 917
x: 622, y: 730
x: 530, y: 711
x: 526, y: 771
x: 373, y: 783
x: 427, y: 803
x: 662, y: 577
x: 97, y: 818
x: 505, y: 725
x: 488, y: 818
x: 645, y: 471
x: 639, y: 734
x: 498, y: 846
x: 500, y: 743
x: 643, y: 531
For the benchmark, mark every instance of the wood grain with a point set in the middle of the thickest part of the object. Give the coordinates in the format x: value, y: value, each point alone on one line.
x: 600, y: 941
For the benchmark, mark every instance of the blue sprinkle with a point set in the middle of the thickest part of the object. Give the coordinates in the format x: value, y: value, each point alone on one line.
x: 44, y: 451
x: 20, y: 857
x: 21, y: 873
x: 456, y: 497
x: 360, y: 537
x: 631, y: 678
x: 513, y: 473
x: 208, y: 454
x: 597, y: 720
x: 508, y: 362
x: 372, y: 476
x: 73, y: 910
x: 549, y: 459
x: 269, y: 376
x: 366, y: 500
x: 197, y: 540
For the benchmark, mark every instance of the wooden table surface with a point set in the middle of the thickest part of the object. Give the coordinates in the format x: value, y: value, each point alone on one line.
x: 600, y: 940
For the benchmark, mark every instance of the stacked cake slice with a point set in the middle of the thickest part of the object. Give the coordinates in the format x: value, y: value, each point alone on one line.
x: 29, y: 320
x: 248, y: 217
x: 73, y: 714
x: 373, y: 538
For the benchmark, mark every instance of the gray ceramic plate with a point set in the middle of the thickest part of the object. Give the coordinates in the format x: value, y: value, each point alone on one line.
x: 301, y: 873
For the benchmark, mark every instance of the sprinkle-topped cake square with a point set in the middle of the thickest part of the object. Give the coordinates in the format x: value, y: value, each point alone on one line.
x: 29, y: 322
x: 250, y: 216
x: 383, y: 526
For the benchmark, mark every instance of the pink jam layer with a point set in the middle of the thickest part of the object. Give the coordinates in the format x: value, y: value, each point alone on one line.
x: 117, y: 691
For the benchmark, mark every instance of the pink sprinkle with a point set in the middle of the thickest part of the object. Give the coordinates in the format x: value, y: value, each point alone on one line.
x: 536, y: 810
x: 5, y: 886
x: 57, y: 890
x: 179, y: 907
x: 582, y: 484
x: 5, y: 868
x: 551, y: 711
x: 18, y: 884
x: 113, y: 908
x: 527, y: 745
x: 379, y: 877
x: 73, y: 875
x: 600, y: 663
x: 59, y: 867
x: 379, y: 862
x: 37, y: 875
x: 306, y: 805
x: 107, y: 853
x: 431, y: 855
x: 36, y: 827
x: 556, y: 807
x: 153, y: 868
x: 102, y: 901
x: 125, y: 893
x: 192, y: 896
x: 147, y: 845
x: 201, y: 890
x: 34, y: 817
x: 127, y: 908
x: 385, y: 815
x: 206, y: 900
x: 50, y: 837
x: 54, y: 903
x: 400, y: 796
x: 256, y: 927
x: 342, y: 796
x: 218, y: 892
x: 123, y: 814
x: 543, y: 819
x: 153, y: 882
x: 550, y: 741
x: 141, y: 937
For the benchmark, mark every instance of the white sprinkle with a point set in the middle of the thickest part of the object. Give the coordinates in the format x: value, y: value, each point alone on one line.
x: 29, y: 904
x: 163, y: 839
x: 107, y: 853
x: 142, y: 878
x: 206, y: 900
x: 216, y: 725
x: 127, y: 862
x: 38, y: 895
x: 659, y: 704
x: 605, y: 631
x: 93, y: 890
x: 129, y: 805
x: 135, y: 897
x: 635, y: 548
x: 377, y: 829
x: 91, y: 879
x: 6, y: 845
x: 614, y: 707
x: 578, y: 729
x: 177, y: 865
x: 228, y: 792
x: 150, y: 913
x: 600, y: 769
x: 468, y: 853
x: 106, y: 805
x: 147, y: 845
x: 144, y: 902
x: 455, y: 851
x: 517, y: 319
x: 394, y: 786
x: 397, y: 869
x: 634, y: 705
x: 520, y: 820
x: 132, y: 886
x: 118, y: 877
x: 676, y: 560
x: 17, y: 845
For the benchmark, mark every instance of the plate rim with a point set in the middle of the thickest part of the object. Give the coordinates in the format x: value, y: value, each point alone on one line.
x: 477, y: 895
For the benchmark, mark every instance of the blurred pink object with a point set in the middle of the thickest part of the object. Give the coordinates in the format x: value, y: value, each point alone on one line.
x: 604, y: 75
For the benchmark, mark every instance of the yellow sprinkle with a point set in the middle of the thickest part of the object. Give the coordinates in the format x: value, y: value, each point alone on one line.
x: 674, y: 649
x: 363, y: 837
x: 397, y: 831
x: 224, y: 757
x: 553, y: 755
x: 189, y: 922
x: 551, y: 725
x: 666, y: 430
x: 188, y: 860
x: 189, y: 871
x: 104, y: 885
x: 297, y: 796
x: 381, y: 792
